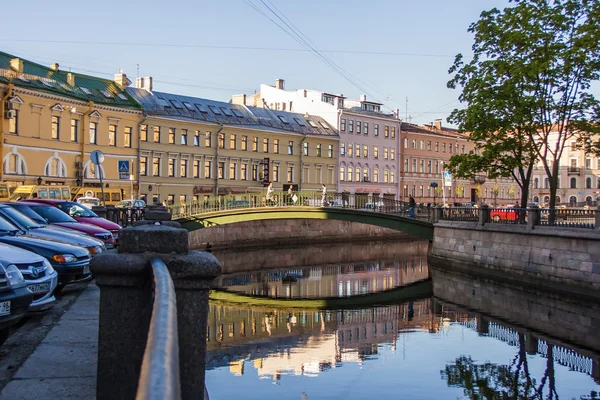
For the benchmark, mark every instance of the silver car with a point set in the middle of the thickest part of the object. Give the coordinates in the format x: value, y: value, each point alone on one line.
x: 39, y: 275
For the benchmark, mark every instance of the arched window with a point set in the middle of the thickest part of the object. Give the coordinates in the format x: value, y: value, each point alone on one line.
x: 406, y: 143
x: 573, y: 200
x: 588, y: 200
x: 386, y: 175
x: 366, y: 174
x: 546, y: 183
x: 536, y: 183
x: 14, y: 164
x: 55, y: 167
x: 350, y: 171
x: 375, y: 175
x: 546, y: 199
x: 392, y: 176
x: 536, y: 199
x: 573, y: 183
x: 588, y: 183
x: 342, y: 174
x: 91, y: 171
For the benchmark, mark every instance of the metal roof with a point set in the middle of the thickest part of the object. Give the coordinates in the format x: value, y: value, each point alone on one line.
x: 199, y: 109
x: 87, y: 88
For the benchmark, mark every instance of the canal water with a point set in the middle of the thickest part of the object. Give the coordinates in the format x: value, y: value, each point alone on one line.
x: 374, y: 320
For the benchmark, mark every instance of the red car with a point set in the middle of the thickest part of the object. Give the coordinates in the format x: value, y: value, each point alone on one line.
x: 54, y: 216
x: 82, y: 214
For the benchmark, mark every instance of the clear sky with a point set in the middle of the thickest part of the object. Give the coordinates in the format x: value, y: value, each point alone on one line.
x: 214, y: 49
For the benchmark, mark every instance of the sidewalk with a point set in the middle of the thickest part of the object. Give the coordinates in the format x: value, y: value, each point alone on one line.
x: 63, y: 366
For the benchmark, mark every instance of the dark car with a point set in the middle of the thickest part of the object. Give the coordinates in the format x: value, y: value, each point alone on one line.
x: 15, y: 299
x: 82, y: 214
x: 29, y: 226
x: 71, y: 262
x: 53, y: 216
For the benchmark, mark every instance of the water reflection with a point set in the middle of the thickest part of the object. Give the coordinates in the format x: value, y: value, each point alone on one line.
x: 455, y: 345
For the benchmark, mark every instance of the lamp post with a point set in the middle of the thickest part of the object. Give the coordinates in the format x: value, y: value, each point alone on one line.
x: 131, y: 193
x: 39, y: 180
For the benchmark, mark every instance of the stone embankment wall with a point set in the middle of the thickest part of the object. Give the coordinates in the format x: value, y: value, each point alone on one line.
x: 286, y: 232
x: 566, y: 260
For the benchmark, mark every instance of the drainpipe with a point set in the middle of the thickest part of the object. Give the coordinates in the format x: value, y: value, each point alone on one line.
x: 86, y: 114
x: 139, y: 157
x: 301, y: 163
x: 401, y: 171
x: 2, y: 120
x: 217, y: 161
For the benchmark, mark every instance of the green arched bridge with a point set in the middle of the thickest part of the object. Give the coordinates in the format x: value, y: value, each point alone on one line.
x: 387, y: 214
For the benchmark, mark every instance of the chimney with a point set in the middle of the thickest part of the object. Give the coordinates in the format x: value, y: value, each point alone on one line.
x: 54, y: 67
x: 363, y: 97
x: 438, y: 124
x: 121, y: 80
x: 279, y: 84
x: 71, y: 79
x: 17, y: 64
x: 238, y: 99
x: 144, y: 83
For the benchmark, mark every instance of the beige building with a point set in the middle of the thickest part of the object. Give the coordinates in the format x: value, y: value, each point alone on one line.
x: 52, y: 120
x: 193, y: 148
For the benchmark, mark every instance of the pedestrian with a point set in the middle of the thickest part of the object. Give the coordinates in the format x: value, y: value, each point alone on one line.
x: 324, y: 196
x: 411, y: 206
x: 269, y: 196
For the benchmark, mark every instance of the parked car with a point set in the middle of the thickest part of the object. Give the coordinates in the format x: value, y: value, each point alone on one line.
x: 15, y: 299
x: 29, y: 226
x: 40, y: 277
x: 88, y: 201
x: 71, y: 262
x: 138, y: 204
x: 83, y: 214
x: 54, y: 216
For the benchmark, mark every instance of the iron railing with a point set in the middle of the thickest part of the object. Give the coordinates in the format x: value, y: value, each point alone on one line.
x: 507, y: 216
x: 159, y: 375
x: 568, y: 217
x: 125, y: 216
x: 461, y: 214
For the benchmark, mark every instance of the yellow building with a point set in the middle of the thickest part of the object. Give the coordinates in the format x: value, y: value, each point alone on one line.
x: 193, y: 148
x: 51, y: 120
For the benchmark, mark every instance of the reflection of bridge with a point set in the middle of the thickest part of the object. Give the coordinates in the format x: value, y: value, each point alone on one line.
x: 386, y: 213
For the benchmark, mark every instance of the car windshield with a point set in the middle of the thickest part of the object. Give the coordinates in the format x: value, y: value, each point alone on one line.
x: 77, y: 210
x: 7, y: 227
x: 52, y: 214
x: 29, y: 213
x: 20, y: 219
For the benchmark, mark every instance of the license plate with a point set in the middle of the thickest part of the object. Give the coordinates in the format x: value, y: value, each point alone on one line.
x: 115, y: 235
x: 5, y: 308
x: 109, y: 246
x: 37, y: 288
x: 86, y: 269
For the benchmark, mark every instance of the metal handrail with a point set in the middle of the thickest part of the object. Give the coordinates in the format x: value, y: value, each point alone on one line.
x: 159, y: 375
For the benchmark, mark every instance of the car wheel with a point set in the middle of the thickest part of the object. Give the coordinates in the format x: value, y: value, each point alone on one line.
x: 496, y: 218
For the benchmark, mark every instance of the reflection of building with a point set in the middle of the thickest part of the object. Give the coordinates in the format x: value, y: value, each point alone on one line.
x: 328, y: 281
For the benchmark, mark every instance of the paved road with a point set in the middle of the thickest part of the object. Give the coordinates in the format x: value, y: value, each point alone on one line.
x: 63, y: 365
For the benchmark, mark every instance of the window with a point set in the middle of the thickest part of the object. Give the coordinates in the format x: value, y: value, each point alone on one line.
x: 573, y: 163
x: 588, y: 183
x: 265, y: 145
x: 392, y: 176
x: 437, y: 146
x: 365, y: 151
x: 422, y: 145
x: 357, y: 174
x: 350, y: 149
x: 276, y: 146
x: 393, y: 132
x: 330, y: 151
x: 221, y: 140
x: 386, y: 132
x: 56, y: 128
x: 319, y: 150
x: 366, y: 128
x: 414, y: 144
x: 74, y: 130
x: 588, y: 163
x: 93, y: 132
x: 276, y: 173
x: 443, y: 147
x: 282, y: 118
x: 392, y: 154
x: 221, y: 170
x: 422, y: 166
x: 358, y: 127
x: 255, y: 143
x: 196, y: 138
x: 376, y: 130
x: 183, y: 167
x: 574, y: 146
x: 429, y: 166
x: 342, y: 149
x: 232, y: 170
x: 127, y: 136
x: 112, y: 135
x: 573, y: 183
x: 196, y: 169
x: 342, y: 174
x: 290, y: 150
x: 414, y: 165
x: 156, y: 134
x: 171, y: 135
x: 245, y: 143
x: 385, y: 153
x: 350, y: 174
x: 171, y: 168
x: 375, y: 175
x: 463, y: 149
x: 406, y: 143
x: 343, y: 124
x: 184, y: 137
x: 13, y: 123
x: 170, y: 199
x: 244, y: 171
x: 144, y: 166
x: 290, y: 174
x: 255, y: 172
x: 215, y: 110
x: 357, y: 150
x: 207, y: 169
x: 305, y: 148
x: 156, y: 166
x: 376, y: 152
x: 350, y: 126
x: 144, y: 133
x: 386, y: 175
x: 450, y: 147
x: 208, y: 139
x: 232, y: 142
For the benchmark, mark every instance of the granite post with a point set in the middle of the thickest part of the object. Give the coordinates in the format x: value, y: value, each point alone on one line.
x: 484, y: 214
x: 125, y: 281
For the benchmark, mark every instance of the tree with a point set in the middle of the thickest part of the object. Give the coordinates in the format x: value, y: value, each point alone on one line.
x: 527, y: 89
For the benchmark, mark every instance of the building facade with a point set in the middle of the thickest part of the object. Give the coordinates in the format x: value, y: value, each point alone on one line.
x: 192, y: 149
x: 52, y: 120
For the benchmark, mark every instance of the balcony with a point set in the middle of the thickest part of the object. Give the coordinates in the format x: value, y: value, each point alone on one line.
x: 574, y: 170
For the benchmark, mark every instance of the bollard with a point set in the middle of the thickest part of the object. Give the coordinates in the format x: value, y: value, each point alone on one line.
x: 125, y: 282
x: 484, y: 214
x: 533, y: 217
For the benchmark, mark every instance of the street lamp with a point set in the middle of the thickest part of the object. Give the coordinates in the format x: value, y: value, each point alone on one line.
x: 39, y: 180
x: 131, y: 180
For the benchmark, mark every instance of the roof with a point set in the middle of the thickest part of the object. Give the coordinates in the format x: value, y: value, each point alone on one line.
x: 195, y: 109
x: 448, y: 132
x: 44, y: 79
